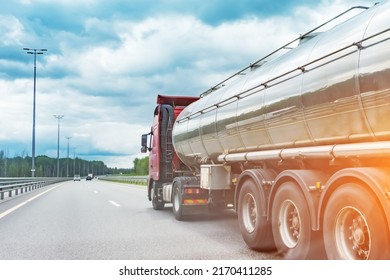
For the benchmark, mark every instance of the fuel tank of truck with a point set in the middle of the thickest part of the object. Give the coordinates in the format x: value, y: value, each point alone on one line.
x: 331, y: 89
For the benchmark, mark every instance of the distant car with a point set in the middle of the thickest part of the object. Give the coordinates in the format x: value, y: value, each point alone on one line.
x: 89, y: 178
x: 76, y: 178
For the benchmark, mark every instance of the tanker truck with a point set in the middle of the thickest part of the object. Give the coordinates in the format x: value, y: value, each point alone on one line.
x: 298, y: 145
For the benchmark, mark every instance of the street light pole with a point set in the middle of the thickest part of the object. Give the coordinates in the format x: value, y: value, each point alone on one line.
x: 67, y: 158
x: 34, y: 52
x: 74, y: 161
x: 58, y: 117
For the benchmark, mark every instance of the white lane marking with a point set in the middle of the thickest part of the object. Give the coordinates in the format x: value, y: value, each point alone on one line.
x: 9, y: 211
x: 114, y: 203
x: 95, y: 191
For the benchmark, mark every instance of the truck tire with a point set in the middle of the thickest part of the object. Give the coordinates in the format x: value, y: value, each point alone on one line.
x: 354, y: 225
x: 177, y: 206
x: 156, y: 203
x: 291, y: 222
x: 254, y: 227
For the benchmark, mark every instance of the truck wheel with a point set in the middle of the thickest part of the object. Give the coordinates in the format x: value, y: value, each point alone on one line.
x: 157, y: 205
x: 291, y: 222
x: 255, y: 229
x: 354, y: 225
x: 176, y: 201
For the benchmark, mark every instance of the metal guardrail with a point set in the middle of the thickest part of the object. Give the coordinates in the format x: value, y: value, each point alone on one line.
x: 137, y: 180
x: 11, y: 180
x: 13, y: 186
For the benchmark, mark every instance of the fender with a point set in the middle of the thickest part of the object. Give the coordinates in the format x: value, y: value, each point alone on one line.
x: 150, y: 185
x: 306, y: 180
x: 262, y: 178
x: 376, y: 179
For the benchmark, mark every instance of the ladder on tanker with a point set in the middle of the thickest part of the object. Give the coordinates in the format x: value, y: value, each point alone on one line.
x: 169, y: 151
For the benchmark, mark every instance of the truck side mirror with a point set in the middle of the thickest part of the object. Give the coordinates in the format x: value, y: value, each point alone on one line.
x: 144, y: 143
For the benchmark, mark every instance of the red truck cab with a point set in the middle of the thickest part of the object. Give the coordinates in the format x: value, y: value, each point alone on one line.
x: 163, y: 160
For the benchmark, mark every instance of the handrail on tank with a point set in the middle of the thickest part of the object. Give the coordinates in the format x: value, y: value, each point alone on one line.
x: 301, y: 68
x: 279, y: 49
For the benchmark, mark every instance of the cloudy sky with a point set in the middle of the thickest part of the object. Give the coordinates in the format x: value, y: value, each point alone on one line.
x: 106, y: 61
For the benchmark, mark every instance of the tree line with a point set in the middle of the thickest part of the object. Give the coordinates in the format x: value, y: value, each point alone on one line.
x: 141, y: 166
x: 20, y: 166
x: 45, y: 166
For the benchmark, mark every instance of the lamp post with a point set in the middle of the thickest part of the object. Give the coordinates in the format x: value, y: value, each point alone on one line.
x: 58, y: 117
x: 34, y: 52
x: 74, y: 161
x: 67, y: 158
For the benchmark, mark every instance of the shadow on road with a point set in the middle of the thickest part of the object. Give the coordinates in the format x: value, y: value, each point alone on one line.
x: 227, y: 219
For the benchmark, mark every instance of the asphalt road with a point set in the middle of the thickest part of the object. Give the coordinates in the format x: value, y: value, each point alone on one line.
x: 99, y: 220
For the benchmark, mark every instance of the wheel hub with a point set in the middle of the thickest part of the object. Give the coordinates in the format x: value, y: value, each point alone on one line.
x: 295, y: 224
x: 253, y: 214
x: 352, y: 234
x: 249, y: 214
x: 290, y: 224
x: 359, y: 235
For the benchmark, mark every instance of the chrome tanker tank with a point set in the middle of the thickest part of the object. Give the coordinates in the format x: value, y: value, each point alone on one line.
x: 331, y: 89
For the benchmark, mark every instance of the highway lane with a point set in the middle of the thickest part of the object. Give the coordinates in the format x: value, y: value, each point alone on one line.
x: 99, y: 220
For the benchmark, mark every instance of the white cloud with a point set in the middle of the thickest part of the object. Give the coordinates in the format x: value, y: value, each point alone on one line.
x: 12, y: 30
